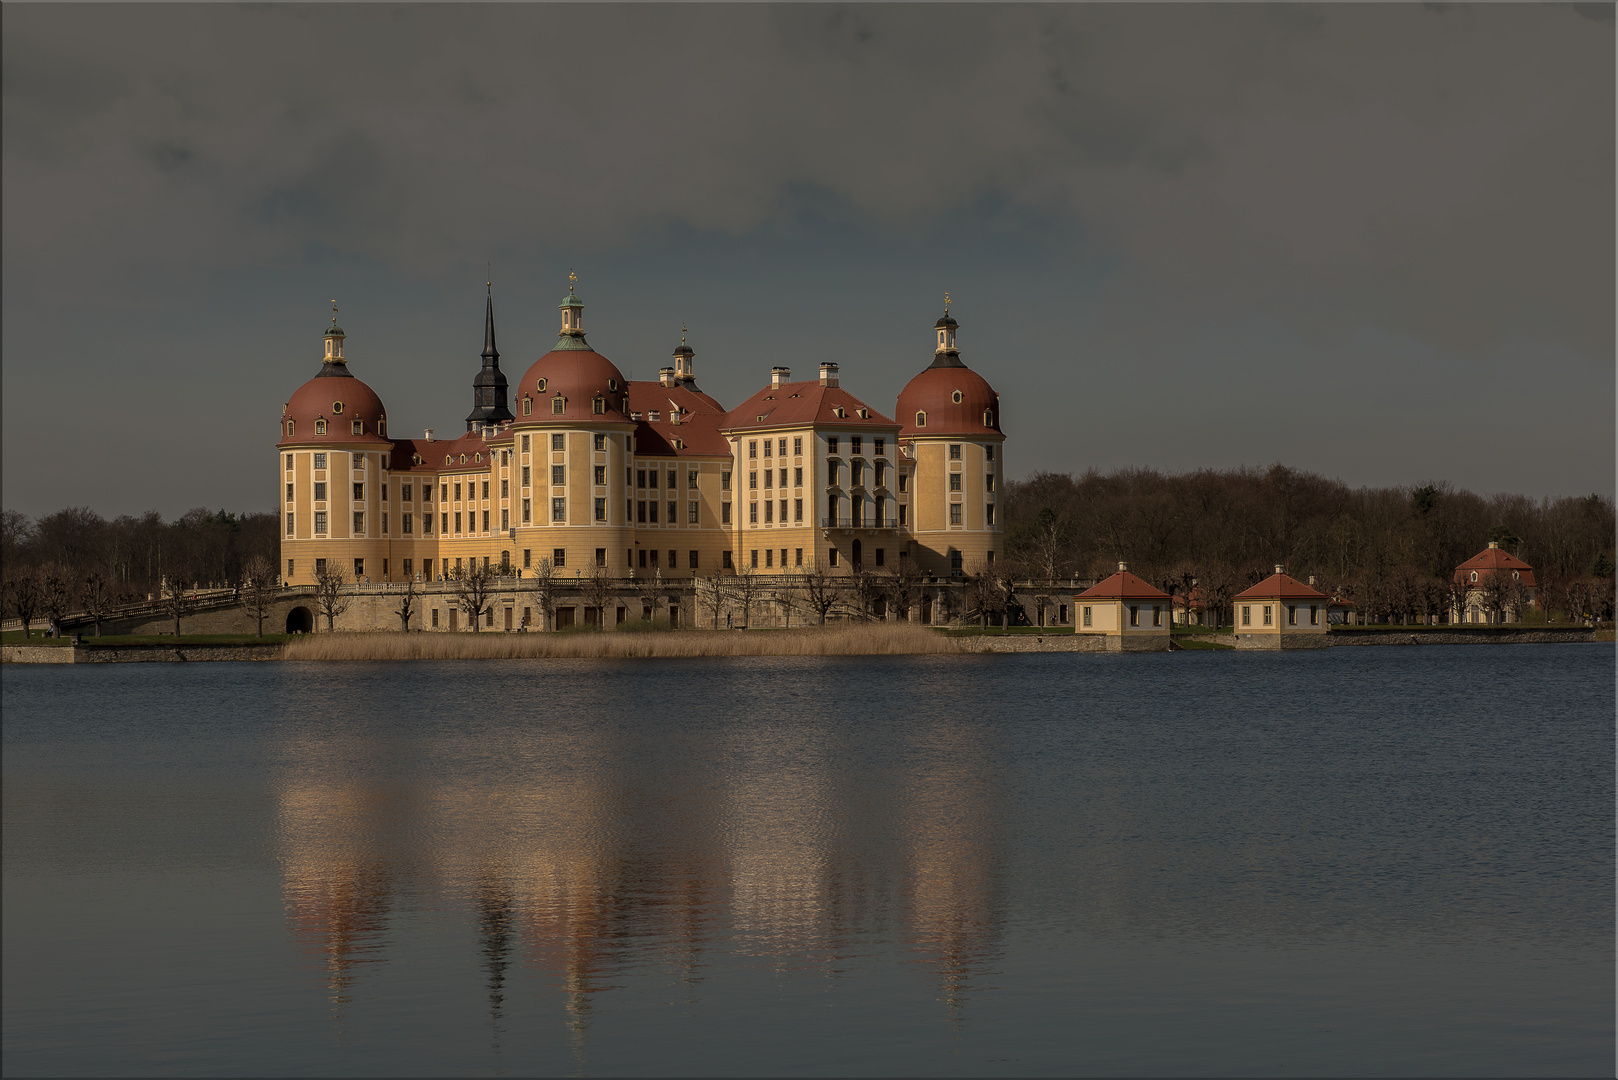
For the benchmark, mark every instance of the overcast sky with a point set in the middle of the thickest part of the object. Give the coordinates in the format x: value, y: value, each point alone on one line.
x: 1372, y: 241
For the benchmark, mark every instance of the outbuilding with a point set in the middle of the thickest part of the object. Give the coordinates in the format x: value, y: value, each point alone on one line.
x: 1281, y: 612
x: 1129, y: 613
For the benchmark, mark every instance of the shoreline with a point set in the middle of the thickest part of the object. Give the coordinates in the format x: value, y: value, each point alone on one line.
x: 860, y: 640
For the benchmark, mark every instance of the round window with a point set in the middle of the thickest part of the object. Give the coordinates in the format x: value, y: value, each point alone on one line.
x: 956, y: 397
x: 540, y: 386
x: 337, y: 406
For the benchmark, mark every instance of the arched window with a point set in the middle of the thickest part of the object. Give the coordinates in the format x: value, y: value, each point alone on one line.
x: 988, y: 418
x: 382, y: 427
x: 956, y: 397
x: 337, y: 408
x: 527, y: 406
x: 292, y: 426
x: 320, y: 427
x: 921, y: 419
x: 558, y: 405
x: 477, y: 457
x: 1474, y: 575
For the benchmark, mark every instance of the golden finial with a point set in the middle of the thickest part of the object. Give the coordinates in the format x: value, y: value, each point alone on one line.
x: 946, y: 303
x: 682, y: 332
x: 489, y: 284
x: 334, y: 311
x: 572, y: 279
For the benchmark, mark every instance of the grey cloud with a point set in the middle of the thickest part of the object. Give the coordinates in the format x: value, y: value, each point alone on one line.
x: 1447, y: 177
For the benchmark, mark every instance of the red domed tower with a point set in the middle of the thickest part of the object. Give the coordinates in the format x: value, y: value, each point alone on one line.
x: 950, y: 419
x: 334, y: 451
x: 573, y: 438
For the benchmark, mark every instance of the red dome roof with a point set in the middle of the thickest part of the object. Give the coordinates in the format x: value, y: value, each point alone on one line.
x: 934, y: 392
x: 341, y: 400
x: 579, y: 375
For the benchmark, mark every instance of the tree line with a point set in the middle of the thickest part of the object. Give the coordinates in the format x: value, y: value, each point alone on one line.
x: 1392, y: 551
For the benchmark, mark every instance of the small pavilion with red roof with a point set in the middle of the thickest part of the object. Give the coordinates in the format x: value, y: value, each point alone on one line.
x: 1281, y: 612
x: 1499, y: 584
x: 1127, y: 611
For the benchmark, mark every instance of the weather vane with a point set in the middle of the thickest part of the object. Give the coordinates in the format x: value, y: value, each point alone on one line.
x: 572, y: 279
x: 682, y: 332
x: 334, y: 311
x: 946, y: 303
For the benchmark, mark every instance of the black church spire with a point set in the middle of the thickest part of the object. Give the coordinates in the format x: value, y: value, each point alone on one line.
x: 489, y: 388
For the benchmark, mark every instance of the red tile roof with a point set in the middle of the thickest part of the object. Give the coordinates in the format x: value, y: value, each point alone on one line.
x: 802, y: 404
x: 1494, y: 560
x: 698, y: 429
x: 1122, y: 586
x: 1280, y: 587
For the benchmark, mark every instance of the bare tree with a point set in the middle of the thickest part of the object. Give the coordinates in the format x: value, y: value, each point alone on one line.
x: 598, y: 591
x: 745, y: 586
x: 1492, y: 591
x: 1217, y: 586
x: 96, y: 594
x: 472, y: 590
x: 786, y: 595
x: 330, y: 598
x: 822, y: 590
x: 863, y: 589
x: 544, y: 579
x: 175, y: 601
x: 1519, y: 599
x: 903, y: 587
x: 1459, y: 598
x: 25, y: 596
x: 980, y: 593
x: 407, y: 605
x: 56, y: 596
x: 258, y: 589
x: 712, y: 597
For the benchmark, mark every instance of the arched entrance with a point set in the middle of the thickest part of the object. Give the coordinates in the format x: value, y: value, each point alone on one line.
x: 859, y: 559
x: 300, y: 620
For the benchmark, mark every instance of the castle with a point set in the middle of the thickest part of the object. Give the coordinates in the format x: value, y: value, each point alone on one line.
x: 580, y: 466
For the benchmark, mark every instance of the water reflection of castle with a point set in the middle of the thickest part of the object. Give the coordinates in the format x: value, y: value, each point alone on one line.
x: 572, y: 867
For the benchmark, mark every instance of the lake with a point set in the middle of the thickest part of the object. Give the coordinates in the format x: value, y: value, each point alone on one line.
x: 1378, y: 861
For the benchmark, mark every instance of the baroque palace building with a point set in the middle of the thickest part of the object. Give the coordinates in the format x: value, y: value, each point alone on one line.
x: 581, y: 466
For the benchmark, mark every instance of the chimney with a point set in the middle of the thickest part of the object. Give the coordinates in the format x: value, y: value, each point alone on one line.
x: 779, y: 375
x: 1278, y: 569
x: 1122, y: 567
x: 429, y: 434
x: 1494, y: 543
x: 828, y: 374
x: 1311, y: 580
x: 665, y: 376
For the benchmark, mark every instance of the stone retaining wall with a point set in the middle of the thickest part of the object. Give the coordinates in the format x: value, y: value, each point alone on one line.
x: 116, y: 654
x: 1423, y: 637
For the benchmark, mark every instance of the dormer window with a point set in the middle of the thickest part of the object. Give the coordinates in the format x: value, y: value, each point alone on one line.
x: 476, y: 457
x: 448, y: 460
x: 1474, y: 575
x: 292, y: 426
x: 865, y: 414
x: 988, y: 418
x: 382, y: 427
x: 612, y: 384
x: 956, y: 397
x: 337, y: 408
x: 598, y: 406
x: 558, y: 405
x: 357, y: 427
x: 921, y: 419
x: 320, y: 427
x: 527, y: 406
x: 415, y: 459
x: 463, y: 459
x: 837, y: 411
x: 679, y: 444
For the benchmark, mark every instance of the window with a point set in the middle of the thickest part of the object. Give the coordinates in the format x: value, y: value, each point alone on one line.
x: 904, y: 481
x: 320, y: 522
x: 558, y: 405
x: 855, y: 443
x: 601, y: 474
x: 651, y: 508
x: 527, y: 410
x: 640, y: 511
x: 988, y: 418
x: 921, y: 419
x: 880, y: 555
x: 1474, y: 575
x: 643, y: 558
x: 674, y: 480
x: 359, y: 461
x: 879, y: 447
x: 601, y: 509
x: 955, y: 451
x: 527, y: 511
x: 525, y: 444
x: 1247, y: 615
x: 693, y: 515
x: 435, y: 617
x: 769, y: 510
x: 769, y: 477
x: 955, y: 481
x: 769, y: 558
x: 457, y: 521
x: 1314, y: 615
x: 359, y: 491
x: 724, y: 481
x: 457, y: 492
x: 505, y: 488
x: 988, y: 514
x: 320, y: 567
x: 797, y: 556
x: 320, y: 427
x: 1292, y: 615
x: 337, y: 408
x: 320, y: 491
x: 601, y: 556
x: 752, y: 479
x: 1134, y: 615
x: 783, y: 511
x: 797, y: 444
x: 600, y: 442
x: 797, y: 509
x: 691, y: 480
x: 558, y: 557
x: 768, y: 446
x: 558, y: 509
x: 902, y: 509
x: 831, y: 556
x: 831, y: 444
x: 692, y: 559
x: 988, y: 453
x: 289, y: 493
x: 289, y: 522
x: 1267, y: 619
x: 752, y: 448
x: 752, y: 558
x: 989, y: 481
x: 724, y: 560
x: 320, y: 461
x: 485, y: 521
x: 797, y: 477
x: 359, y: 569
x: 954, y: 513
x: 752, y: 513
x: 406, y: 493
x: 443, y: 522
x: 356, y: 428
x: 1157, y: 615
x: 408, y: 521
x: 724, y: 513
x: 525, y: 476
x: 485, y: 489
x: 831, y: 473
x: 598, y: 406
x: 1086, y: 616
x: 640, y: 478
x: 558, y: 443
x: 443, y: 493
x: 783, y: 478
x: 558, y: 474
x: 292, y: 427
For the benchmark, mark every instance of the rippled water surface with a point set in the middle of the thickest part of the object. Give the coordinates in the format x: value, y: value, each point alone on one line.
x: 1358, y: 861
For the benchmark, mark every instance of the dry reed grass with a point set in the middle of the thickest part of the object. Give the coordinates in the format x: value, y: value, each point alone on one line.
x: 870, y: 639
